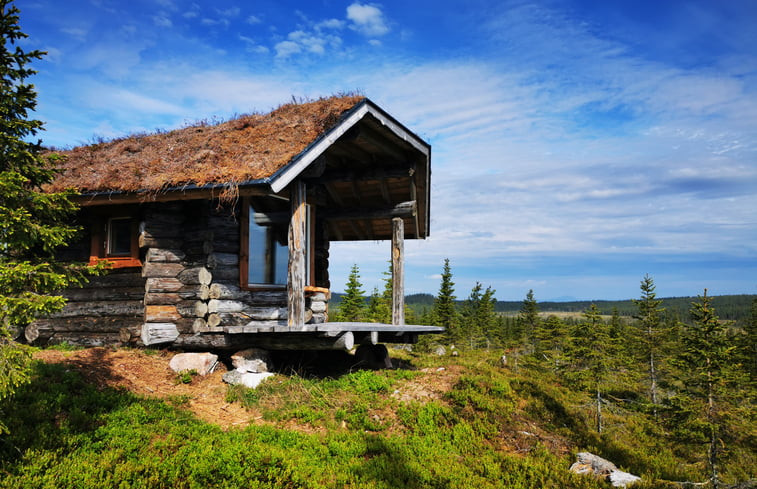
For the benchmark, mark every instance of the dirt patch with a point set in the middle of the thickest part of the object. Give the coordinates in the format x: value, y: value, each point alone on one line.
x: 430, y: 386
x: 148, y: 374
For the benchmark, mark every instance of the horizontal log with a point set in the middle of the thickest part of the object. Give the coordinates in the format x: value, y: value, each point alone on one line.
x: 163, y: 284
x: 79, y: 324
x: 227, y: 292
x: 200, y: 248
x: 162, y: 255
x: 152, y: 242
x: 223, y: 245
x: 104, y: 293
x: 220, y: 320
x: 161, y: 270
x: 195, y: 276
x: 218, y: 305
x: 267, y: 298
x: 116, y: 279
x: 403, y: 209
x: 206, y: 341
x: 86, y: 340
x: 162, y: 298
x: 101, y: 308
x: 157, y: 333
x: 217, y: 260
x: 161, y: 314
x: 160, y: 230
x: 225, y: 273
x: 298, y: 341
x: 192, y: 308
x: 201, y: 292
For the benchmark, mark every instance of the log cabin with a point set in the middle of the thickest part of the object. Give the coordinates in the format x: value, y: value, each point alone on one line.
x: 217, y: 236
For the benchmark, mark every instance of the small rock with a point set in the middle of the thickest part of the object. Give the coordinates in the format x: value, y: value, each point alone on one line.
x: 503, y: 360
x: 202, y: 363
x: 588, y: 463
x: 252, y: 360
x: 247, y: 379
x: 440, y: 351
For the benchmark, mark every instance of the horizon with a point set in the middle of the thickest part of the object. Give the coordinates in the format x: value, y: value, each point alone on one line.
x: 576, y: 145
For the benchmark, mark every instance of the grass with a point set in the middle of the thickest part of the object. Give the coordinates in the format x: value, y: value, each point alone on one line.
x: 65, y: 432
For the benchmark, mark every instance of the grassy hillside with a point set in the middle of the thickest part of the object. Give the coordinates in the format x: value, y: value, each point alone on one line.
x: 452, y: 422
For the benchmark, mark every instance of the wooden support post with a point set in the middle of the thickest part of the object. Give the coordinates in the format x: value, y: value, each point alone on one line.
x: 297, y: 268
x: 398, y: 272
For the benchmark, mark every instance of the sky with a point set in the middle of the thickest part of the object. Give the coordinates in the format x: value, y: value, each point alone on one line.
x: 576, y: 145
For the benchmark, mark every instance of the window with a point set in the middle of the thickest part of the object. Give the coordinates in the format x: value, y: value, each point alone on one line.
x: 115, y: 240
x: 265, y: 240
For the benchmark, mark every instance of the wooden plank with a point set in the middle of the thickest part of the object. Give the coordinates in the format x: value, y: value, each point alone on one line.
x: 403, y: 209
x: 296, y: 268
x: 380, y: 327
x: 160, y: 314
x: 398, y: 271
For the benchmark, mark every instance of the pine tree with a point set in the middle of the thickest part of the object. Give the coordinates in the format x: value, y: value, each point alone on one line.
x: 478, y: 317
x: 444, y: 311
x: 352, y: 306
x: 651, y: 334
x: 705, y: 368
x: 32, y: 223
x: 551, y: 340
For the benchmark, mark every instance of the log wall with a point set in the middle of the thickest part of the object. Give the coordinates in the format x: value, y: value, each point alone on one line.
x: 186, y: 292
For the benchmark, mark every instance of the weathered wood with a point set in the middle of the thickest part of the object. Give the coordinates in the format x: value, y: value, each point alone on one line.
x: 38, y: 332
x: 101, y: 308
x: 117, y: 279
x: 222, y: 319
x: 161, y: 314
x: 296, y: 268
x: 267, y: 298
x: 205, y: 341
x: 146, y: 241
x: 162, y: 298
x: 398, y: 271
x: 201, y: 292
x: 103, y: 293
x: 81, y: 324
x: 218, y: 305
x: 216, y: 260
x: 161, y: 255
x: 164, y: 270
x: 403, y: 209
x: 227, y: 292
x: 195, y: 276
x: 88, y: 340
x: 226, y: 274
x: 160, y: 230
x: 192, y: 308
x: 163, y: 284
x: 223, y: 245
x: 156, y: 333
x: 300, y: 341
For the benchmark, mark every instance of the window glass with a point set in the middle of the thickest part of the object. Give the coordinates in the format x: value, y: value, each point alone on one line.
x: 119, y: 237
x: 268, y: 253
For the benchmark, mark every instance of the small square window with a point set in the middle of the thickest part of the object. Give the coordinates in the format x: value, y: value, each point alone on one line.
x: 118, y: 242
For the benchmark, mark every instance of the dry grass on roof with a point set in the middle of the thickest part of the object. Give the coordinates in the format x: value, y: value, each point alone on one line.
x: 247, y: 148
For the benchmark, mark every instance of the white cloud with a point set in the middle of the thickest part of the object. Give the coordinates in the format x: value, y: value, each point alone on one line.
x: 286, y: 48
x: 229, y: 12
x: 330, y: 24
x: 367, y: 19
x: 252, y: 19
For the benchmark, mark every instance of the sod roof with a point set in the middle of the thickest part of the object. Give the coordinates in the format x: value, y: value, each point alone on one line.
x: 248, y: 148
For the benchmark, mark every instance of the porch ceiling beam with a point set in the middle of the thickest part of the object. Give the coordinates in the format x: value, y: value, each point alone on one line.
x: 403, y: 209
x: 368, y: 175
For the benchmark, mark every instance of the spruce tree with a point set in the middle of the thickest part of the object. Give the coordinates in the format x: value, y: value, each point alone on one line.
x: 444, y: 311
x: 352, y: 306
x: 528, y: 321
x: 651, y: 334
x: 32, y: 223
x: 591, y: 353
x: 706, y: 374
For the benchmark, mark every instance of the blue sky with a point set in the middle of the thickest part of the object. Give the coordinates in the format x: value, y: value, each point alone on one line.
x: 577, y: 145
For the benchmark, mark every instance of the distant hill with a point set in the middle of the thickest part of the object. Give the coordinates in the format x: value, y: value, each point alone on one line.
x: 729, y: 307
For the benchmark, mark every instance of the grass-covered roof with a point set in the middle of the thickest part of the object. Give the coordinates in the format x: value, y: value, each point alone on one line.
x: 248, y: 148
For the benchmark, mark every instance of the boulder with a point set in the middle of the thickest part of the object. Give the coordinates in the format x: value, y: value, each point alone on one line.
x: 439, y: 350
x: 202, y: 363
x: 247, y: 379
x: 252, y: 360
x: 588, y: 463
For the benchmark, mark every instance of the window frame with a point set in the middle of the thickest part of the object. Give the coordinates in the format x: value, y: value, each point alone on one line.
x: 102, y: 236
x: 244, y: 250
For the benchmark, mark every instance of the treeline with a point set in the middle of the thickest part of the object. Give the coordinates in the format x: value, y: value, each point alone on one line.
x: 692, y: 373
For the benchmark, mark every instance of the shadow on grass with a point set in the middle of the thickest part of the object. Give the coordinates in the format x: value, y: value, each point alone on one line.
x: 51, y: 410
